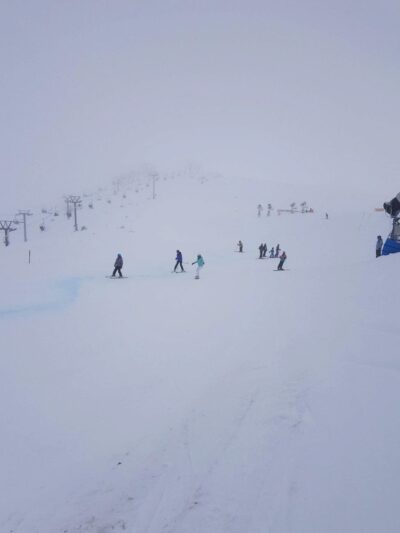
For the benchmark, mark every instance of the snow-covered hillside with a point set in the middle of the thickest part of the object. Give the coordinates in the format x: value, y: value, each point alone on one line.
x: 249, y: 401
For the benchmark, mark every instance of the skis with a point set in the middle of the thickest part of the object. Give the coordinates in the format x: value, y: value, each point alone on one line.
x: 116, y: 277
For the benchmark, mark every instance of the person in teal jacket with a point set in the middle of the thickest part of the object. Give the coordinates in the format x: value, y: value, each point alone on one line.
x: 200, y: 263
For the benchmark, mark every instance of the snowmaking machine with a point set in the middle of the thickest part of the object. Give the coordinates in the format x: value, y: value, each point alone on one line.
x: 392, y: 243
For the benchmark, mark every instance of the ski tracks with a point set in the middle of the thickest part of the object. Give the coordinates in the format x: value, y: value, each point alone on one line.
x: 234, y: 464
x: 228, y: 465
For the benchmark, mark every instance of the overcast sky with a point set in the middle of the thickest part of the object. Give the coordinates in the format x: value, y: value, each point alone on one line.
x: 299, y: 91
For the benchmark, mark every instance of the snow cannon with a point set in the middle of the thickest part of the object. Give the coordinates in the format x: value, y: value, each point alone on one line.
x: 392, y: 208
x: 392, y: 244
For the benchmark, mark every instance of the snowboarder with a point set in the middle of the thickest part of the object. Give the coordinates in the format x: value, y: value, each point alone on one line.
x: 179, y: 260
x: 277, y: 250
x: 379, y: 244
x: 261, y: 249
x: 265, y: 249
x: 240, y: 244
x: 259, y: 210
x: 117, y: 266
x: 200, y: 263
x: 283, y: 259
x: 272, y: 253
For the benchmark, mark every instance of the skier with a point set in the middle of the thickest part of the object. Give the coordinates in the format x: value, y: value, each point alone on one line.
x: 179, y: 260
x: 117, y: 266
x: 283, y: 259
x: 261, y: 248
x: 265, y: 249
x: 259, y: 210
x: 240, y: 244
x: 277, y: 250
x: 272, y: 253
x: 379, y: 244
x: 326, y: 216
x: 200, y: 263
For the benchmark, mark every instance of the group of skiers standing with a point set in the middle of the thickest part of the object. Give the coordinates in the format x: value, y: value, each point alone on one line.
x: 119, y: 262
x: 273, y: 253
x: 263, y: 249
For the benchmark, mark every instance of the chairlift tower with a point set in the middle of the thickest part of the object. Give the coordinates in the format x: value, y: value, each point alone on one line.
x: 6, y: 226
x: 24, y: 214
x: 68, y: 204
x: 75, y: 201
x: 154, y: 177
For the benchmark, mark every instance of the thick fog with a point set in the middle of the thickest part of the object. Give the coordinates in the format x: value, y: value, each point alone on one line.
x: 292, y: 91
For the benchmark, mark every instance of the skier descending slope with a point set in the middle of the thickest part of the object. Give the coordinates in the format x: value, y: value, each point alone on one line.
x: 119, y: 262
x: 179, y: 260
x: 283, y: 259
x: 200, y: 263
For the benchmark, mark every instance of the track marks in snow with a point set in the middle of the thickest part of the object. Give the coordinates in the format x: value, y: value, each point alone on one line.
x: 210, y: 483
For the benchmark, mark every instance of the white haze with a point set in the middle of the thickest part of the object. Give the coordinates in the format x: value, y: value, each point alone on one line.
x: 302, y: 92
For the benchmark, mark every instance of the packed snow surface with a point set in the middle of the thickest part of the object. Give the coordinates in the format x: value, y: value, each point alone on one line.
x: 249, y: 401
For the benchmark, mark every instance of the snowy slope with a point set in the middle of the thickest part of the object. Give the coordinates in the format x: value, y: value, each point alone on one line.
x: 248, y: 401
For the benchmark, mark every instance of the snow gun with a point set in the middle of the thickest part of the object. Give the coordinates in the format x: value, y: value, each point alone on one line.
x: 392, y: 244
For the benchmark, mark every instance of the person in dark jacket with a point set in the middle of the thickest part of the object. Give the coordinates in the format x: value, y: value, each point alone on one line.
x: 272, y: 253
x: 179, y: 260
x: 277, y: 250
x: 265, y: 249
x: 283, y: 259
x: 240, y: 244
x: 119, y: 263
x: 379, y: 244
x: 261, y: 248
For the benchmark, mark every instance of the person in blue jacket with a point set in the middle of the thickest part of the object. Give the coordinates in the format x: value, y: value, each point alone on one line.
x: 119, y: 263
x: 200, y: 263
x: 179, y: 260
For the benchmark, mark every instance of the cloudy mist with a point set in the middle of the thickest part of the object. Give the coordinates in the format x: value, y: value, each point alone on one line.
x: 291, y: 91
